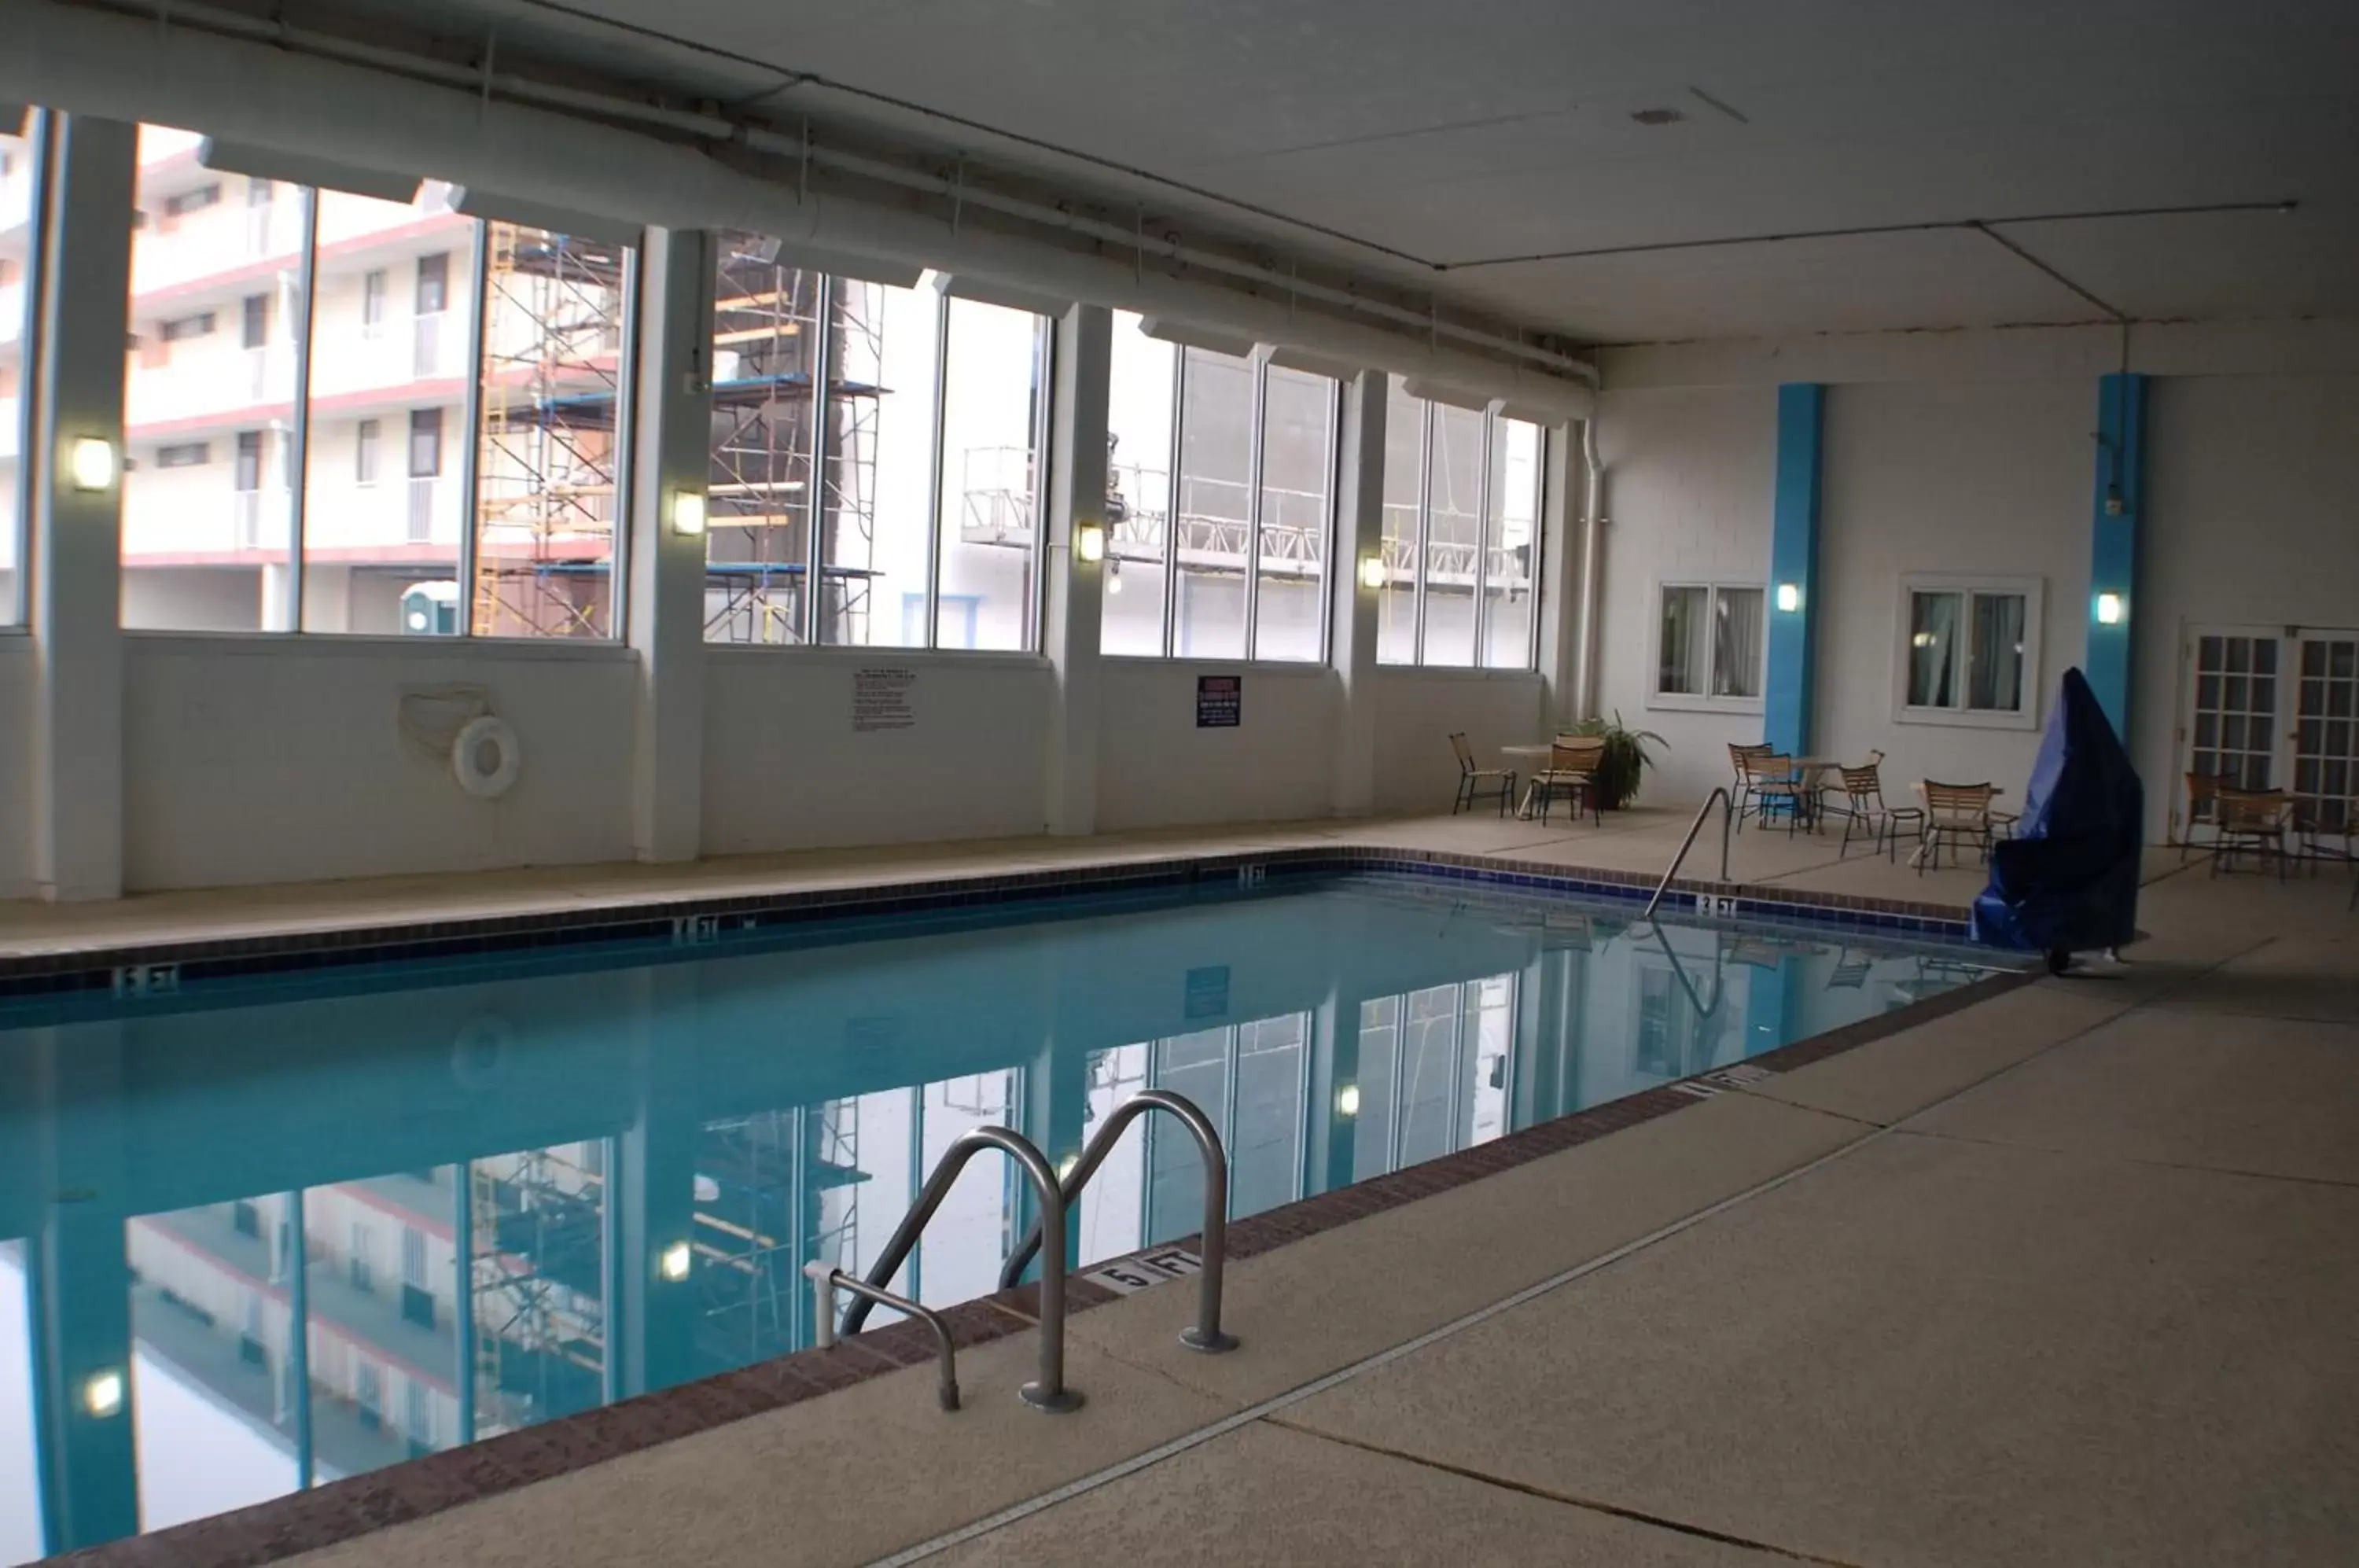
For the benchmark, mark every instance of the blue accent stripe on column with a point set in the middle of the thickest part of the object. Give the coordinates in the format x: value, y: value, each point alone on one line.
x: 2116, y: 504
x: 1793, y: 568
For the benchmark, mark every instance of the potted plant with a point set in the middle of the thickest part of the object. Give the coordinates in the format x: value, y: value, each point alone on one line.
x: 1626, y: 758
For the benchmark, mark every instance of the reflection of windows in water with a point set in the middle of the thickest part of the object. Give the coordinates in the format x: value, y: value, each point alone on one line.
x: 1657, y: 1052
x: 984, y: 1094
x: 368, y: 1391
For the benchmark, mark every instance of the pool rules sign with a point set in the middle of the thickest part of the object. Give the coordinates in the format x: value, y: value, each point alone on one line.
x: 1220, y: 702
x: 880, y: 699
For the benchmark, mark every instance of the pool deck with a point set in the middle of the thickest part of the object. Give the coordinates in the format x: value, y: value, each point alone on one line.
x: 2064, y: 1275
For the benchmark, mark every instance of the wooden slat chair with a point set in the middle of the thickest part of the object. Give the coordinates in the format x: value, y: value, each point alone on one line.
x: 2202, y: 808
x: 1738, y: 758
x: 1572, y: 766
x: 1956, y: 814
x: 1866, y: 814
x: 1770, y: 785
x: 1851, y: 971
x: 2250, y: 822
x: 1476, y: 783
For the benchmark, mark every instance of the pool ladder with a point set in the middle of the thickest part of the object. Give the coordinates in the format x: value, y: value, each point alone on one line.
x: 1727, y: 820
x: 1047, y: 1392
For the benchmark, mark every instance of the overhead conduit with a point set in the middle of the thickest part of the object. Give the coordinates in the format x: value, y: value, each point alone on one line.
x: 382, y: 114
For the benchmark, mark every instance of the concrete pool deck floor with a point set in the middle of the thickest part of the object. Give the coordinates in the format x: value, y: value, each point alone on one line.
x: 2065, y: 1276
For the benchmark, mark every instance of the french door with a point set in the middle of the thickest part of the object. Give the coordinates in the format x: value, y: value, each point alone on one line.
x: 2274, y: 709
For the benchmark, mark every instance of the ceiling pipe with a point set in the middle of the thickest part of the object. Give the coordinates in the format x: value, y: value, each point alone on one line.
x: 381, y: 108
x: 1593, y: 537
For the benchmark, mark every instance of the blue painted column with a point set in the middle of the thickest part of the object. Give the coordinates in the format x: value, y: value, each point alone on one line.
x: 1793, y: 568
x: 2117, y: 503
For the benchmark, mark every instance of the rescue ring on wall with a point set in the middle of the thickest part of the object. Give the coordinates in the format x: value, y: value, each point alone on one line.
x: 485, y: 756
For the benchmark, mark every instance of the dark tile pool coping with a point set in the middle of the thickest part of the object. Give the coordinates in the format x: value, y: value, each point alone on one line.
x: 689, y: 923
x: 361, y: 1504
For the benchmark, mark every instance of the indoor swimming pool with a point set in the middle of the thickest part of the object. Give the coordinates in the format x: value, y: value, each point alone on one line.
x: 258, y: 1235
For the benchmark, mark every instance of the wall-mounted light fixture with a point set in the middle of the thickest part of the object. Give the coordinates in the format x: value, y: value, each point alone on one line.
x: 673, y: 1261
x: 1789, y: 596
x: 1372, y: 571
x: 2109, y: 609
x: 1089, y: 542
x: 91, y: 463
x: 102, y: 1393
x: 688, y: 513
x: 1347, y: 1100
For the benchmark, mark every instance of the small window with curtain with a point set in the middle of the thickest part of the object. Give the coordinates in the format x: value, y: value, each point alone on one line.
x: 1708, y: 646
x: 1969, y: 651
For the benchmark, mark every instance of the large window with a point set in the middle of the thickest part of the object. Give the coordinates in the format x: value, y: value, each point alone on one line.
x: 1969, y: 651
x: 1708, y: 646
x: 404, y: 517
x: 20, y: 250
x: 383, y: 494
x: 1221, y: 525
x: 931, y: 436
x: 1461, y: 541
x: 1433, y: 1072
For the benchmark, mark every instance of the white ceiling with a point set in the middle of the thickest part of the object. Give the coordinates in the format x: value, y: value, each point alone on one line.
x: 1488, y: 128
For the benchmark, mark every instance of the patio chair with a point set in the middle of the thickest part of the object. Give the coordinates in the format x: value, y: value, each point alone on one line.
x: 1958, y: 814
x: 1476, y: 782
x: 1572, y: 766
x: 2202, y: 809
x: 1866, y: 814
x: 2250, y: 822
x: 1770, y: 785
x: 1738, y: 758
x: 1851, y: 971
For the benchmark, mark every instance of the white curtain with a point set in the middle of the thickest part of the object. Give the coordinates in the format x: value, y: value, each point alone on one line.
x: 1737, y: 650
x: 1996, y: 678
x: 1933, y: 650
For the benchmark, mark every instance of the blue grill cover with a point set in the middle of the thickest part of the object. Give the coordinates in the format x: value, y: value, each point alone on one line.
x: 2068, y: 881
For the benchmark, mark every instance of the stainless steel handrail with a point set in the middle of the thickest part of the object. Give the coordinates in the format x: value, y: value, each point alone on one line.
x: 1727, y: 820
x: 1049, y: 1392
x: 827, y: 1280
x: 1206, y: 1335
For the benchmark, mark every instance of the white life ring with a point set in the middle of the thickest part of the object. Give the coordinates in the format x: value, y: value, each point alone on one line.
x: 467, y: 764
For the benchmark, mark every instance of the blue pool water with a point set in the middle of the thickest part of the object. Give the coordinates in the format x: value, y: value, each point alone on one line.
x: 319, y: 1223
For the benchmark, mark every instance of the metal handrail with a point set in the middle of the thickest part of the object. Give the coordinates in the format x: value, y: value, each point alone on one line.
x: 1727, y: 820
x: 827, y: 1280
x: 1719, y: 972
x: 1049, y: 1392
x: 1206, y: 1335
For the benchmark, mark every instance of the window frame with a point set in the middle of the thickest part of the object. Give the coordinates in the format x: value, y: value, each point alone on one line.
x: 1419, y: 540
x: 1257, y: 480
x: 2032, y: 591
x: 15, y: 606
x: 1705, y: 701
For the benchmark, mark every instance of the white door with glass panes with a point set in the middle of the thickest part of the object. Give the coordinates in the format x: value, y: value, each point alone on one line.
x: 2272, y: 708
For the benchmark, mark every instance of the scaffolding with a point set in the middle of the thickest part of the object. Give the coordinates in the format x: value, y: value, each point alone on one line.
x: 536, y: 1274
x: 766, y: 342
x: 546, y: 500
x: 774, y: 1190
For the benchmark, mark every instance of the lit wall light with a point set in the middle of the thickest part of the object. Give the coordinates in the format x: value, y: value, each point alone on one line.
x: 2109, y: 609
x: 102, y: 1394
x: 1372, y: 571
x: 1922, y: 639
x: 688, y: 513
x: 1089, y: 542
x: 673, y: 1262
x: 1789, y: 596
x: 1347, y: 1100
x: 1114, y: 578
x: 92, y: 463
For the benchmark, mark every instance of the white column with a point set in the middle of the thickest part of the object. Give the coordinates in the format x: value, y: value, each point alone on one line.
x: 1074, y: 591
x: 77, y: 535
x: 672, y: 428
x: 1359, y: 534
x: 1564, y: 621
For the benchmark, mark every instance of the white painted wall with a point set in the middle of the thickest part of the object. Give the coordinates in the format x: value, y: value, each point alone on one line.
x: 1689, y: 472
x: 15, y: 768
x: 2251, y: 482
x: 783, y: 768
x: 252, y: 760
x: 1155, y: 768
x: 1972, y: 478
x: 1416, y: 710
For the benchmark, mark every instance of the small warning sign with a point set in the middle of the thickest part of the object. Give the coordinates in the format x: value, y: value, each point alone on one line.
x: 880, y: 699
x: 1220, y: 702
